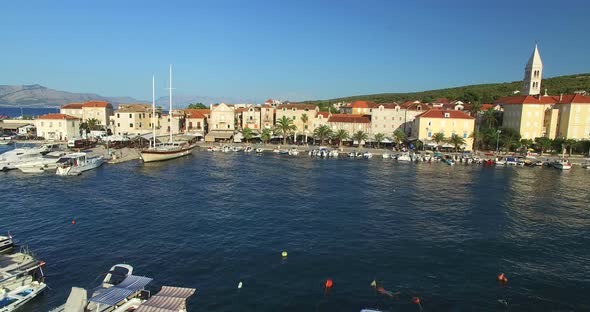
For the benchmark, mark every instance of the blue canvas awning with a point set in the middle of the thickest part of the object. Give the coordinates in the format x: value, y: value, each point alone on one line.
x: 120, y: 292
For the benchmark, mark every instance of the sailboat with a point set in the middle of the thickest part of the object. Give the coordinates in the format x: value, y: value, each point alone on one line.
x: 171, y: 149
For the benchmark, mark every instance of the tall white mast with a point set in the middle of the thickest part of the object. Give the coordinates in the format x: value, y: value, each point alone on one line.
x: 170, y: 100
x: 154, y: 109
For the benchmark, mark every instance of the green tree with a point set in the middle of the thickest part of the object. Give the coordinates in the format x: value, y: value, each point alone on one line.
x: 456, y: 141
x: 304, y: 120
x: 399, y: 137
x: 284, y: 127
x: 265, y: 136
x: 90, y: 125
x: 341, y: 135
x: 558, y: 145
x: 379, y: 138
x: 490, y: 117
x: 543, y: 144
x: 360, y: 136
x: 247, y: 134
x: 438, y: 137
x: 322, y: 132
x: 197, y: 105
x: 509, y: 138
x: 570, y: 143
x: 477, y: 137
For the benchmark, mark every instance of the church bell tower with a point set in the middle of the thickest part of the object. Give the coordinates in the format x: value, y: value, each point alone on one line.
x: 533, y: 73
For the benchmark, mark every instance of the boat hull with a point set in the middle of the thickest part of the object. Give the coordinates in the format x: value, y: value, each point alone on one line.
x: 20, y: 296
x: 77, y: 170
x: 152, y: 156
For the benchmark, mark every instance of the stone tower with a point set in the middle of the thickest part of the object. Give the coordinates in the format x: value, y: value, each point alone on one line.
x: 533, y: 73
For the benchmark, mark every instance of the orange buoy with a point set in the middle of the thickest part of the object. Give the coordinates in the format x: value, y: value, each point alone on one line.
x: 502, y: 278
x: 416, y: 300
x: 329, y: 283
x: 73, y: 221
x: 380, y: 289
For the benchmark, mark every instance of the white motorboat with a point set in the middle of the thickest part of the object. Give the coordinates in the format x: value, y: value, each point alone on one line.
x: 11, y: 159
x: 164, y: 151
x: 276, y: 150
x: 236, y: 148
x: 259, y: 150
x: 386, y: 155
x: 562, y: 164
x: 404, y: 157
x: 367, y: 155
x: 212, y: 149
x: 500, y: 161
x: 511, y: 161
x: 586, y: 164
x: 248, y: 149
x: 334, y: 153
x: 76, y: 163
x: 167, y: 299
x: 41, y: 164
x: 293, y: 151
x: 21, y: 279
x: 6, y: 243
x: 119, y: 291
x: 5, y: 142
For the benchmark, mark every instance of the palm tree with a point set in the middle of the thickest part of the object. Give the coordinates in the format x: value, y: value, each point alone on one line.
x: 322, y: 132
x: 490, y: 117
x: 438, y: 137
x: 543, y: 143
x: 456, y: 141
x: 304, y: 120
x: 526, y: 143
x: 379, y: 138
x: 360, y: 136
x: 476, y: 136
x: 90, y: 124
x: 570, y: 144
x: 265, y: 136
x: 399, y: 137
x: 285, y: 126
x: 247, y: 134
x: 341, y: 135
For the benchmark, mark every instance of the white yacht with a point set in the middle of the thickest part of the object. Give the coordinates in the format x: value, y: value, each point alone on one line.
x: 21, y: 279
x: 164, y: 151
x: 500, y: 161
x: 293, y: 151
x: 404, y: 157
x: 10, y: 159
x: 41, y: 164
x: 76, y: 163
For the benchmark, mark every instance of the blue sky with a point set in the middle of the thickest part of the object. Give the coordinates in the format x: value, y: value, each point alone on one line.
x: 316, y: 49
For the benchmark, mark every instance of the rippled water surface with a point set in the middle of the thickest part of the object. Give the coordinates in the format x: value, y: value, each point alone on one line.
x: 211, y: 220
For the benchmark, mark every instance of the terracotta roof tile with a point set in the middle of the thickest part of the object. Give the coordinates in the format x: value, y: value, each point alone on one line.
x: 440, y: 113
x: 97, y: 104
x: 73, y: 106
x: 297, y: 106
x: 323, y: 114
x: 350, y: 118
x: 58, y: 116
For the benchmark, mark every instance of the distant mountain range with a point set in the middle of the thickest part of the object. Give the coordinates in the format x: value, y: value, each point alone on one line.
x: 36, y: 96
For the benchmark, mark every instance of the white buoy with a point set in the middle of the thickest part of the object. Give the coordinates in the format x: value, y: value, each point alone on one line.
x: 240, y: 285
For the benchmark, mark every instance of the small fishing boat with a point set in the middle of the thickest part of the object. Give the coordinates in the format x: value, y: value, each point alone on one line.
x: 449, y: 161
x: 586, y: 164
x: 76, y: 163
x: 500, y: 161
x: 511, y: 161
x: 119, y: 291
x: 248, y: 149
x: 293, y: 152
x: 21, y: 279
x: 236, y: 148
x: 6, y: 243
x: 404, y: 157
x: 334, y: 153
x: 259, y: 150
x: 367, y: 155
x: 352, y: 154
x: 276, y: 150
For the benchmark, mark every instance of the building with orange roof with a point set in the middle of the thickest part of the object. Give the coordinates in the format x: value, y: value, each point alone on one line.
x: 301, y: 114
x: 448, y: 122
x: 351, y: 123
x: 58, y: 127
x: 534, y: 115
x: 134, y: 119
x: 221, y: 124
x: 99, y: 110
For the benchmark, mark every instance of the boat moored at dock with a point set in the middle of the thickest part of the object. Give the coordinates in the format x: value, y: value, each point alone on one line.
x: 21, y: 279
x: 76, y: 163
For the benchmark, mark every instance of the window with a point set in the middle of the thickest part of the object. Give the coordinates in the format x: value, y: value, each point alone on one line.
x: 41, y: 124
x: 465, y: 134
x: 294, y: 118
x: 140, y: 124
x: 130, y: 115
x: 130, y: 125
x: 118, y: 125
x: 429, y: 123
x: 305, y: 127
x: 429, y: 134
x: 228, y: 126
x: 118, y: 115
x: 198, y: 125
x: 50, y: 124
x: 294, y: 109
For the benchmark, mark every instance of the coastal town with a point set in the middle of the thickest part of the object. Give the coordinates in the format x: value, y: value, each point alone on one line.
x: 530, y: 122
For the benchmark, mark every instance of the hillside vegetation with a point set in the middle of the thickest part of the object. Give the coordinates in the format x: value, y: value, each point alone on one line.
x: 482, y: 93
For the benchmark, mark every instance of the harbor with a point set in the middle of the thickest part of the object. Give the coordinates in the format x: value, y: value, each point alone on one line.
x: 429, y: 230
